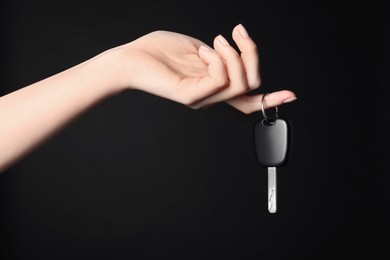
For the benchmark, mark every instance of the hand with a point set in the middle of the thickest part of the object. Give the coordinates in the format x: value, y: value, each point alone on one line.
x: 171, y: 65
x: 186, y: 70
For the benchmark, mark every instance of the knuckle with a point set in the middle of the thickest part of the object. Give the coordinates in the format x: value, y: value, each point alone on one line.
x: 187, y: 100
x: 255, y: 83
x: 240, y: 89
x: 221, y: 81
x: 234, y: 57
x: 246, y: 110
x: 253, y: 47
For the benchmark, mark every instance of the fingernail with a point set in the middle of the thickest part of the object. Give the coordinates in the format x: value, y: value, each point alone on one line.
x: 291, y: 99
x: 222, y: 40
x: 205, y: 48
x: 242, y: 31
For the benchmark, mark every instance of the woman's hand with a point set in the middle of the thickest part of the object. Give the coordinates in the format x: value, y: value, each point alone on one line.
x: 186, y: 70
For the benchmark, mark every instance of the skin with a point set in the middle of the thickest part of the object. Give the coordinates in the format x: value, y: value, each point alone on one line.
x: 171, y: 65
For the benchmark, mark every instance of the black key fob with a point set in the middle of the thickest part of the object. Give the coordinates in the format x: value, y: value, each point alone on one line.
x: 272, y: 142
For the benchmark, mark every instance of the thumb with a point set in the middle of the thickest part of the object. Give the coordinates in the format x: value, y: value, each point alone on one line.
x: 249, y: 104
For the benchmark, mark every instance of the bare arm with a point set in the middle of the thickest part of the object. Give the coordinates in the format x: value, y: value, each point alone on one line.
x: 34, y: 113
x: 167, y: 64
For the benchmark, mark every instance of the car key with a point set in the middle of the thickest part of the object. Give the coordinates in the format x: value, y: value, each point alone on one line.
x: 272, y: 145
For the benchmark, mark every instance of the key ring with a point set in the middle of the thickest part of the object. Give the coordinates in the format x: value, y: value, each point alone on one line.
x: 266, y: 118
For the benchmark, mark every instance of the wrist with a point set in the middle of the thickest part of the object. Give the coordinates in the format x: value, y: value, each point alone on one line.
x: 120, y: 68
x: 105, y: 67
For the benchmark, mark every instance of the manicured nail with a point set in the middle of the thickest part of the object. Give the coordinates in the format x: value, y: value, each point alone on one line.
x: 291, y: 99
x: 242, y: 31
x: 222, y: 40
x: 205, y: 48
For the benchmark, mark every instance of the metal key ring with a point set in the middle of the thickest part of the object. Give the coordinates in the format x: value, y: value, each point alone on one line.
x: 266, y: 118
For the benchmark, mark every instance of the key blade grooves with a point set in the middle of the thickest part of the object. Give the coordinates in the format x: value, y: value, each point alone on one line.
x: 272, y: 189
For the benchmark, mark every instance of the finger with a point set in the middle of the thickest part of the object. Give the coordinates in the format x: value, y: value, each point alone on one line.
x: 234, y: 66
x: 249, y: 56
x: 237, y: 84
x: 196, y: 89
x: 251, y: 103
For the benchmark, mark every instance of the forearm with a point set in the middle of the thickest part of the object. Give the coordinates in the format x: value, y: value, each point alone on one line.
x: 34, y: 113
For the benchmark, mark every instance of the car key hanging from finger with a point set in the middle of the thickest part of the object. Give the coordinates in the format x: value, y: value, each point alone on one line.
x: 272, y: 138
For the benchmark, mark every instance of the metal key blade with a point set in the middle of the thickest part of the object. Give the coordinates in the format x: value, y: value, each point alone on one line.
x: 272, y: 189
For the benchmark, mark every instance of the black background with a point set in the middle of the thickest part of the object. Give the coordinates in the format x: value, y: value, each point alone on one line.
x: 141, y: 177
